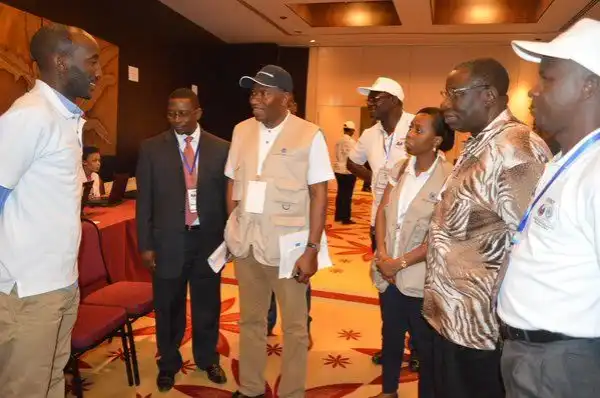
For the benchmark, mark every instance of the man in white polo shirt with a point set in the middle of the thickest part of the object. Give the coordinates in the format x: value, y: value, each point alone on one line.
x: 549, y: 299
x: 40, y: 197
x: 382, y: 145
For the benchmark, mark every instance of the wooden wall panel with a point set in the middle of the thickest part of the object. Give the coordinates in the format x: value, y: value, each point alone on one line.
x: 18, y: 74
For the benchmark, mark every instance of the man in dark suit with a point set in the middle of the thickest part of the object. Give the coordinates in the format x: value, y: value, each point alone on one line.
x: 181, y: 216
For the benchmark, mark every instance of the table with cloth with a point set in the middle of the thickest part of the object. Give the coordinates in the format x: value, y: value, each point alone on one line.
x: 119, y: 241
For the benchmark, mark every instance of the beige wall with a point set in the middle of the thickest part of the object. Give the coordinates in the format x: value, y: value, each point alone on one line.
x: 335, y: 72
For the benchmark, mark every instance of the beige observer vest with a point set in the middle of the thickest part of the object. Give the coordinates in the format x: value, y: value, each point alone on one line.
x: 413, y: 230
x: 287, y: 202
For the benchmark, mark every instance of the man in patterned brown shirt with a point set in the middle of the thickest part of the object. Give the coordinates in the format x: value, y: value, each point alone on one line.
x: 471, y: 228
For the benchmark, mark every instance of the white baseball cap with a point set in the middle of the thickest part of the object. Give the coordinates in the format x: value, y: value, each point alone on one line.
x: 579, y: 44
x: 384, y: 85
x: 349, y: 125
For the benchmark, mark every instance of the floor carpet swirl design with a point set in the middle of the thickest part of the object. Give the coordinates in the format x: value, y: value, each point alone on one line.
x: 346, y: 331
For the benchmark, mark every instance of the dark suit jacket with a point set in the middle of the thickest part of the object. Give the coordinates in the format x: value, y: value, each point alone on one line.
x: 160, y: 209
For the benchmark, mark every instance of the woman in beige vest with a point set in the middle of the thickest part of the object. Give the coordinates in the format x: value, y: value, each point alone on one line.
x: 400, y: 227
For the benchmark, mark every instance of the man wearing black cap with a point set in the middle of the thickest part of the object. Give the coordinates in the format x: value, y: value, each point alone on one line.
x: 278, y: 167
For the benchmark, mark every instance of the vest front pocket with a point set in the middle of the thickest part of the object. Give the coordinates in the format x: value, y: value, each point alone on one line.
x: 290, y: 198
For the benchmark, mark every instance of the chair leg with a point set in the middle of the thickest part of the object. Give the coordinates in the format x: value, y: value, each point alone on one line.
x: 123, y: 334
x: 134, y: 361
x: 77, y: 383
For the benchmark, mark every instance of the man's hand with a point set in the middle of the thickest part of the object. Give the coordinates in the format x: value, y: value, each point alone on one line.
x: 149, y: 260
x: 306, y: 266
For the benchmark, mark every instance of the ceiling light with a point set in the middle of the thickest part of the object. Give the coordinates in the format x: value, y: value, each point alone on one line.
x: 313, y: 40
x: 482, y: 14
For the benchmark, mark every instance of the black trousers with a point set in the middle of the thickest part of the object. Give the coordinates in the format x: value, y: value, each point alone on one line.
x: 465, y: 372
x: 401, y: 314
x: 343, y: 199
x: 170, y: 302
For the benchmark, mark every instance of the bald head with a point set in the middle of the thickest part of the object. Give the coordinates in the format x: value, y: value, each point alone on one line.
x: 488, y: 71
x: 68, y: 59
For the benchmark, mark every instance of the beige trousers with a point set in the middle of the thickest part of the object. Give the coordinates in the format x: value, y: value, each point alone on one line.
x: 35, y: 342
x: 256, y: 281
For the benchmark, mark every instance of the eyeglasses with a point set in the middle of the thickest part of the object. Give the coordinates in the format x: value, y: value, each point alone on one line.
x: 175, y: 114
x: 378, y: 98
x: 454, y: 93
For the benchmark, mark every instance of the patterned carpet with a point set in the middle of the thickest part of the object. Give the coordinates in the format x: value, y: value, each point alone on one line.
x: 346, y: 331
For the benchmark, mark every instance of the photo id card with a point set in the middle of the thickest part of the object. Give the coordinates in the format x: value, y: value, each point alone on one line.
x: 255, y: 197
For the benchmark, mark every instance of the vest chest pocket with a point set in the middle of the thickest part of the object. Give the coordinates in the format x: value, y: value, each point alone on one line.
x: 290, y: 197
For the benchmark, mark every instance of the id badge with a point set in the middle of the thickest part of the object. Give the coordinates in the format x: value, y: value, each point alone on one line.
x: 191, y: 194
x: 255, y: 197
x: 383, y: 178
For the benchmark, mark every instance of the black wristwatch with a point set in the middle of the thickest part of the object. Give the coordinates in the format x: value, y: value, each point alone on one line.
x: 313, y: 246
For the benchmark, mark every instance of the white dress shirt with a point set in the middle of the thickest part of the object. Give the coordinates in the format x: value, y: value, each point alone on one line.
x: 319, y: 166
x: 411, y: 186
x: 194, y: 143
x: 381, y: 150
x: 553, y: 277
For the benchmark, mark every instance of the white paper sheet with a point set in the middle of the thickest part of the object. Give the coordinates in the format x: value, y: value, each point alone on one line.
x: 218, y: 259
x: 291, y: 247
x: 255, y: 198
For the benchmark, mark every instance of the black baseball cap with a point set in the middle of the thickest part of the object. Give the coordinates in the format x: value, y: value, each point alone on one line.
x: 270, y: 76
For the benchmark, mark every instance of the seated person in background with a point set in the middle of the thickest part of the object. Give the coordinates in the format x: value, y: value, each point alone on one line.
x: 91, y: 167
x: 401, y: 226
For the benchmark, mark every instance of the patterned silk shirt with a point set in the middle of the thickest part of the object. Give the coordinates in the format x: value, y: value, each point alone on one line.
x: 472, y: 225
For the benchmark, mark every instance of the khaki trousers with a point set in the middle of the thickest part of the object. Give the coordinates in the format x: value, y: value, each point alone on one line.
x: 35, y: 342
x: 256, y: 282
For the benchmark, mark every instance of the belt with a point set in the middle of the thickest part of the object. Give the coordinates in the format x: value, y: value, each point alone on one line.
x: 192, y: 227
x: 532, y: 336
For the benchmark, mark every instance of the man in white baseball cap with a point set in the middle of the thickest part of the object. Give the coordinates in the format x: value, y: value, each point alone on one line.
x: 549, y: 300
x: 345, y: 179
x: 382, y: 145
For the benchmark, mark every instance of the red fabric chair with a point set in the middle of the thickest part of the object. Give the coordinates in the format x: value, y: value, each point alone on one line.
x: 94, y: 325
x: 135, y: 298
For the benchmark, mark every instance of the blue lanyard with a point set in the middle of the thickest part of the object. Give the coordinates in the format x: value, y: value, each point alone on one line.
x: 388, y: 149
x: 191, y: 168
x: 584, y: 147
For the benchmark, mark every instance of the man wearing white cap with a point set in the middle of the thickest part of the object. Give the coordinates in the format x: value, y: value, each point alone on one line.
x: 382, y: 145
x: 549, y: 299
x: 345, y: 179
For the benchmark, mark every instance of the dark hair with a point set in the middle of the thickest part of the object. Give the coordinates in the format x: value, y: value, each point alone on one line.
x: 88, y: 150
x: 440, y: 127
x: 48, y: 41
x: 186, y: 93
x: 488, y: 71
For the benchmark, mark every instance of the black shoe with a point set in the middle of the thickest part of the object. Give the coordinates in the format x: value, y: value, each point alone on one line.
x: 348, y: 222
x: 165, y: 381
x: 216, y: 374
x: 413, y: 363
x: 376, y: 358
x: 238, y: 394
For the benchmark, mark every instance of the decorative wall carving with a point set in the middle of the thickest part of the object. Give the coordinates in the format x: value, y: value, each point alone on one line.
x: 18, y: 73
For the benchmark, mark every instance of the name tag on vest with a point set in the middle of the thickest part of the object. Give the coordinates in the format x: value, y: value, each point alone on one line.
x: 255, y: 197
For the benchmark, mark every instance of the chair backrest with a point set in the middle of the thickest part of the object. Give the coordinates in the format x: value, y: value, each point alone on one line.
x: 92, y: 268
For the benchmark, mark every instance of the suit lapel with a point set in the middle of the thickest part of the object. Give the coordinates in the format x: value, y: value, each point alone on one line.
x: 205, y: 148
x: 173, y: 161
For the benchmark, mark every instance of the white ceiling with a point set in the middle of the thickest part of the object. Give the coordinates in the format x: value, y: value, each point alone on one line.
x: 258, y: 21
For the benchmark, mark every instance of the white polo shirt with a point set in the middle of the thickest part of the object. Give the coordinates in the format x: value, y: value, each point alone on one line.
x: 319, y: 166
x: 381, y: 150
x: 553, y: 277
x: 40, y: 160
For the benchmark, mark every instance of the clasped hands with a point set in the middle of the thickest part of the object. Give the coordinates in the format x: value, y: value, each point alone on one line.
x: 388, y: 267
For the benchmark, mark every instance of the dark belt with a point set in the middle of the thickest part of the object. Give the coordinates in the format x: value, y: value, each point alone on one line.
x: 532, y: 336
x: 192, y: 227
